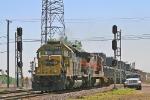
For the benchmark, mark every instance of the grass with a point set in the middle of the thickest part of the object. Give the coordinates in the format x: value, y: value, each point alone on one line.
x: 2, y: 90
x: 109, y: 95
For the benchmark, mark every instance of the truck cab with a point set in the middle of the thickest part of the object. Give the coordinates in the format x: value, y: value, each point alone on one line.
x: 133, y: 80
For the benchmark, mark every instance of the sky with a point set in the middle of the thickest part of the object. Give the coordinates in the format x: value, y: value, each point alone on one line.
x: 93, y: 18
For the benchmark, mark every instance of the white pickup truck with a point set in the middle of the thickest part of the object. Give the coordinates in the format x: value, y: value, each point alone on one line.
x: 132, y: 80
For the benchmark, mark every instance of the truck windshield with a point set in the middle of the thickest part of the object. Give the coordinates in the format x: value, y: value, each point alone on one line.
x: 132, y: 76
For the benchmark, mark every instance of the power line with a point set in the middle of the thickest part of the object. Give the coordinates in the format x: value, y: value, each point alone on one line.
x: 87, y: 20
x: 6, y: 51
x: 105, y: 38
x: 3, y: 37
x: 3, y: 51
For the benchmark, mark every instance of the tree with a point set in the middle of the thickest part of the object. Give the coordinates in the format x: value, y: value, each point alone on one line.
x: 4, y: 79
x: 64, y: 40
x: 52, y: 40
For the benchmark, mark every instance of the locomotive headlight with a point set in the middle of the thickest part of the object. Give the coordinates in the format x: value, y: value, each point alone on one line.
x: 38, y: 71
x: 55, y: 70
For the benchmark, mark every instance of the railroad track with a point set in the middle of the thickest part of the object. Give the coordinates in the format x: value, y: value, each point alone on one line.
x: 30, y: 94
x: 33, y: 94
x: 21, y: 96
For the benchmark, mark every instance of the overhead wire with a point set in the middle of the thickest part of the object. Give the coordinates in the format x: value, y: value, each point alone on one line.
x: 87, y: 20
x: 3, y: 36
x: 126, y: 37
x: 105, y: 38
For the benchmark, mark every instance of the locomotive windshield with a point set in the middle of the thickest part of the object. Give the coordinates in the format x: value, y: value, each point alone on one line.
x: 57, y: 52
x: 48, y: 52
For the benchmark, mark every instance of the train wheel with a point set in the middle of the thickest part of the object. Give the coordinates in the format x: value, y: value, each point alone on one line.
x: 101, y: 82
x: 93, y: 80
x: 108, y: 82
x: 41, y: 92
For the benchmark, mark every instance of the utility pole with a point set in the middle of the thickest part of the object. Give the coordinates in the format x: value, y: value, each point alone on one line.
x: 8, y: 22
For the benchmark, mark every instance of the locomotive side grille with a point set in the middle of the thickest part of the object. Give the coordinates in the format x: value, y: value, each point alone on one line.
x: 96, y: 72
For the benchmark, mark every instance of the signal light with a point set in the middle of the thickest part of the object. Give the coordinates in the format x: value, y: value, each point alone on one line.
x: 20, y: 64
x: 114, y: 62
x: 114, y: 29
x: 19, y: 46
x: 19, y: 31
x: 29, y: 71
x: 114, y: 44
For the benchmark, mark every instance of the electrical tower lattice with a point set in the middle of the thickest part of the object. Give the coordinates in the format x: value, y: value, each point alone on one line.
x: 52, y: 20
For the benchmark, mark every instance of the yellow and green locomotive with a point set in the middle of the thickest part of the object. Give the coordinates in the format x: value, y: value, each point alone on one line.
x: 62, y: 67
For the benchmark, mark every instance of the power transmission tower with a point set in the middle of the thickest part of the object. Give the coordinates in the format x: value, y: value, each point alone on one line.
x: 8, y: 22
x: 52, y: 20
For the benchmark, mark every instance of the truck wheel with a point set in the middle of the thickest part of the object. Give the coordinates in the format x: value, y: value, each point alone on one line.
x: 139, y: 88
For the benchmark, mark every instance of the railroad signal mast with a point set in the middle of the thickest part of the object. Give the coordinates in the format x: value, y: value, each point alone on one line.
x: 117, y: 51
x: 18, y: 57
x: 31, y: 70
x: 114, y: 47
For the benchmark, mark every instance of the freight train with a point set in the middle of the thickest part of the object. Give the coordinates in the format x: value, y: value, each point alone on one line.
x: 62, y: 67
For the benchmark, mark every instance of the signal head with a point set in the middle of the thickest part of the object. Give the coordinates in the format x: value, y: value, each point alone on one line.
x: 114, y: 44
x: 114, y: 29
x: 114, y: 62
x: 19, y: 31
x: 19, y: 46
x: 20, y: 64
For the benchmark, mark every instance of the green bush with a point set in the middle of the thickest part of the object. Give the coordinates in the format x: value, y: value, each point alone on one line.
x: 4, y: 80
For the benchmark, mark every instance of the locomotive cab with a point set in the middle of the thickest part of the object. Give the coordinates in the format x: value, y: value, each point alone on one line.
x: 53, y: 60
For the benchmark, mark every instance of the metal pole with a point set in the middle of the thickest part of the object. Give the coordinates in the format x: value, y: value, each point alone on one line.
x: 120, y: 59
x: 21, y: 69
x: 115, y: 66
x: 15, y: 62
x: 8, y: 22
